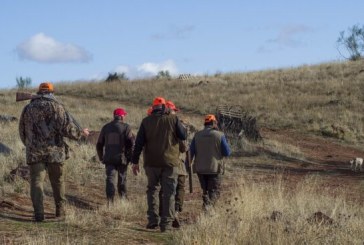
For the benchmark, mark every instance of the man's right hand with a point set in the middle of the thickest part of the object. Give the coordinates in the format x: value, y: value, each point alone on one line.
x: 135, y: 168
x: 85, y: 132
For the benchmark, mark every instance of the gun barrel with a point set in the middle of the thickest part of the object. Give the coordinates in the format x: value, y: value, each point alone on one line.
x: 189, y: 170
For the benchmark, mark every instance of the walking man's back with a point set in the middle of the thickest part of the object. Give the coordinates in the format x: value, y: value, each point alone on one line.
x: 208, y: 147
x: 42, y: 125
x: 114, y: 149
x: 158, y: 137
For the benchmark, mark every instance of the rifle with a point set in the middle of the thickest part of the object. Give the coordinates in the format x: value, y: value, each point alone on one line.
x: 21, y: 96
x: 189, y: 170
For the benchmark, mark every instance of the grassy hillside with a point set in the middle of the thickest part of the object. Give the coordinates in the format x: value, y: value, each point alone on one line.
x: 271, y: 190
x: 308, y: 98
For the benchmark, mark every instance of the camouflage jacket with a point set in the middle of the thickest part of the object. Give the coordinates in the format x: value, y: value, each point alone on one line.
x: 42, y: 125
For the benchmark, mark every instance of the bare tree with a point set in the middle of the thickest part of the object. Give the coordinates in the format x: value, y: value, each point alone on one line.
x: 22, y: 83
x: 353, y: 42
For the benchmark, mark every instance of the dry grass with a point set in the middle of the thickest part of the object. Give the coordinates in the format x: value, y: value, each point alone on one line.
x: 308, y: 99
x: 247, y: 217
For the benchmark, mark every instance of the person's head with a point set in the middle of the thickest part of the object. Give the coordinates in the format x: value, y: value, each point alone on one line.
x: 172, y: 107
x: 159, y: 103
x: 45, y: 88
x: 119, y: 113
x: 210, y: 120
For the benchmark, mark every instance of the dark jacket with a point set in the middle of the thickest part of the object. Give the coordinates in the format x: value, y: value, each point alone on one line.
x: 208, y: 147
x: 42, y: 125
x: 116, y: 142
x: 159, y: 135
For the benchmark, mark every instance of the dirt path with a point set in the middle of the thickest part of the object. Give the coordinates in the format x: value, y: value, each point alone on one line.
x: 324, y: 157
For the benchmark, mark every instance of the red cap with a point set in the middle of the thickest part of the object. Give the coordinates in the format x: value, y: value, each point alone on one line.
x: 171, y: 105
x: 120, y: 112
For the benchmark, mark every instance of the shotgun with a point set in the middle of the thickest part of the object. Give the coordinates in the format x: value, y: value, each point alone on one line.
x: 21, y: 96
x: 189, y: 170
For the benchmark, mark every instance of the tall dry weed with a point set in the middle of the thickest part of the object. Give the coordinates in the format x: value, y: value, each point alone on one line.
x: 267, y: 214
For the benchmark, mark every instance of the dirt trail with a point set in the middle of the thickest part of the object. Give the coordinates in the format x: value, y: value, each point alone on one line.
x: 324, y: 156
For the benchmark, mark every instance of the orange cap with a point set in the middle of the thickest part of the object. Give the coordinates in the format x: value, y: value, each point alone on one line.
x: 171, y: 105
x: 46, y: 87
x: 159, y: 101
x: 210, y: 118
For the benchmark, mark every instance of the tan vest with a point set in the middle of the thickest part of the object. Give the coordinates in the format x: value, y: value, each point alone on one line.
x: 208, y: 154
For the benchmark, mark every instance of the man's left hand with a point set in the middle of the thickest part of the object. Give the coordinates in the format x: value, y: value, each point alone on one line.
x: 135, y: 168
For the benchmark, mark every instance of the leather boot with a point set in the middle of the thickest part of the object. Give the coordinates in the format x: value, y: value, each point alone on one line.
x: 38, y: 217
x: 60, y: 212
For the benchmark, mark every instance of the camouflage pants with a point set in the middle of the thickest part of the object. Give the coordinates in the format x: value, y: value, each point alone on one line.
x: 115, y: 176
x: 166, y: 177
x: 180, y: 192
x: 210, y: 184
x: 37, y: 176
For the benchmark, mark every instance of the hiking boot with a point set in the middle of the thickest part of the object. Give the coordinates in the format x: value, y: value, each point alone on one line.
x: 165, y: 229
x: 176, y: 223
x: 152, y: 226
x: 60, y: 212
x: 38, y: 217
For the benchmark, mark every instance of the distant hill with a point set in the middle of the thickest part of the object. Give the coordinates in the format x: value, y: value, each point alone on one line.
x: 314, y: 98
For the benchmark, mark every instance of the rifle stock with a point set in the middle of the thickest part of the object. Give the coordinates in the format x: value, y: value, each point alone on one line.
x: 21, y: 96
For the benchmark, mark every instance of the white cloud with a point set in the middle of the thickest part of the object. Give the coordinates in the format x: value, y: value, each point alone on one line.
x: 45, y: 49
x: 154, y: 68
x: 122, y: 69
x: 147, y: 69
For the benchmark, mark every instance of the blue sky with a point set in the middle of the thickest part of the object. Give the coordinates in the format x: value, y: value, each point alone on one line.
x: 84, y: 40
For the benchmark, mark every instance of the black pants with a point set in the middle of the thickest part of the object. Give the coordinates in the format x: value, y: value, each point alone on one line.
x: 210, y: 184
x: 116, y: 178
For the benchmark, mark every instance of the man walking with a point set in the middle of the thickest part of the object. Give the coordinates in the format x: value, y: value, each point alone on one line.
x: 114, y: 149
x: 43, y: 124
x: 208, y: 147
x: 182, y: 173
x: 159, y: 135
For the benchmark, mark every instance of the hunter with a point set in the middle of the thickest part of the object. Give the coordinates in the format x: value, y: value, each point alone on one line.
x: 43, y: 124
x: 159, y: 135
x: 182, y: 173
x: 208, y: 147
x: 114, y: 149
